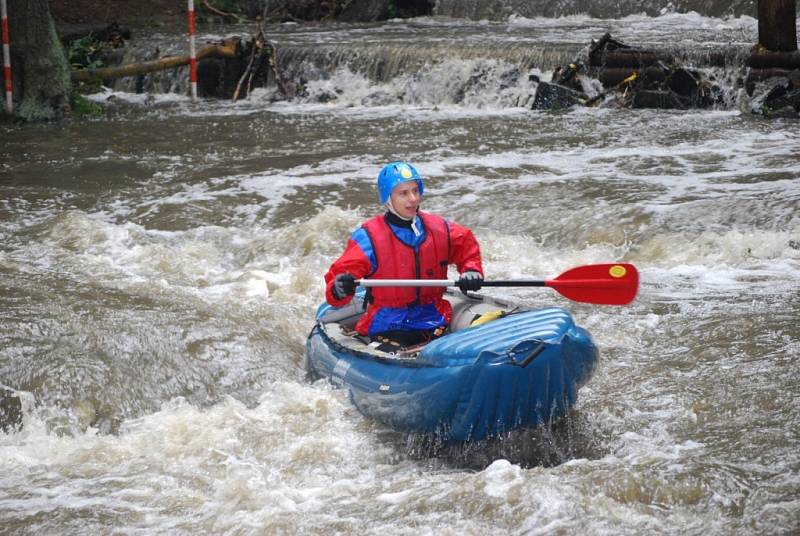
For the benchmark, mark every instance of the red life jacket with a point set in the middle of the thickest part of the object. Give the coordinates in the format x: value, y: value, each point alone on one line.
x: 397, y: 260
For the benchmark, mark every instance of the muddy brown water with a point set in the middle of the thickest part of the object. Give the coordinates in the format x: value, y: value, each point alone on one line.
x: 161, y: 269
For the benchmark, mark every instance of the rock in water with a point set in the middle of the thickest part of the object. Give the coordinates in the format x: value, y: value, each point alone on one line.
x: 10, y: 410
x: 555, y: 97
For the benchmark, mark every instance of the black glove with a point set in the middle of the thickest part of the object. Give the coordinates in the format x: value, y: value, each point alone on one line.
x: 344, y: 285
x: 470, y: 280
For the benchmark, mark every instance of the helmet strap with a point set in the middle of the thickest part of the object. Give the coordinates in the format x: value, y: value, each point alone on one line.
x: 413, y: 220
x: 391, y: 209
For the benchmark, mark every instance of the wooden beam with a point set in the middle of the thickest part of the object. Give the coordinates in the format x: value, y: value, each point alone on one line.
x: 768, y: 60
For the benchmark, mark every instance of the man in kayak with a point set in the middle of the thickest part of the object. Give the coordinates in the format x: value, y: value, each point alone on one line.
x: 404, y: 243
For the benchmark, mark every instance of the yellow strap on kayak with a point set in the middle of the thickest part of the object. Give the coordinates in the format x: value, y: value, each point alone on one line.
x: 487, y: 317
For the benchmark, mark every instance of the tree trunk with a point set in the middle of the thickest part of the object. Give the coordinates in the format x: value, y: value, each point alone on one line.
x: 40, y: 67
x: 777, y: 26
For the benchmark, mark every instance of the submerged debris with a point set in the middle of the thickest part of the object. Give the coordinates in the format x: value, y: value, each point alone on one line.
x: 630, y: 77
x: 775, y: 98
x: 641, y: 78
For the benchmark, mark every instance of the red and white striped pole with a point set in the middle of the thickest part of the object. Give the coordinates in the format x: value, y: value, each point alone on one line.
x: 192, y: 52
x: 7, y: 58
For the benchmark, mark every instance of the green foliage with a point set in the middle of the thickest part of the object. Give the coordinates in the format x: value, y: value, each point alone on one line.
x: 83, y: 107
x: 84, y: 53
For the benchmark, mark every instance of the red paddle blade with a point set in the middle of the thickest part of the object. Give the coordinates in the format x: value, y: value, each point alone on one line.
x: 606, y: 284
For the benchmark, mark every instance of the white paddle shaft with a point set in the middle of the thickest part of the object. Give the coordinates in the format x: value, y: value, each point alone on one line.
x: 405, y: 282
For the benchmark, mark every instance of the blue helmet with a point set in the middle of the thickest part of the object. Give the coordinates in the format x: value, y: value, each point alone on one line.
x: 393, y: 174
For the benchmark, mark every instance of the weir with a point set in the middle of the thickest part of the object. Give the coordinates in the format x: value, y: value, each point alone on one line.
x: 421, y: 70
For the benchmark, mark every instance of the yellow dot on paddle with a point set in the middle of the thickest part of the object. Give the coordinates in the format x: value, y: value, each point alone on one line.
x: 617, y: 271
x: 405, y: 173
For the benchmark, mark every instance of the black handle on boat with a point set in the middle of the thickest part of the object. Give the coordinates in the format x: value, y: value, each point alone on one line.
x: 530, y: 356
x: 520, y: 355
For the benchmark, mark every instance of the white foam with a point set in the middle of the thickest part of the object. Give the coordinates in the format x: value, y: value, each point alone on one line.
x: 501, y: 477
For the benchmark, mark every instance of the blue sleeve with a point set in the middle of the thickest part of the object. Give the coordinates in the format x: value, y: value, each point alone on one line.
x: 361, y: 238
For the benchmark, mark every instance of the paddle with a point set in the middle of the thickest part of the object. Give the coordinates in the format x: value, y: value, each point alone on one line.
x: 603, y: 284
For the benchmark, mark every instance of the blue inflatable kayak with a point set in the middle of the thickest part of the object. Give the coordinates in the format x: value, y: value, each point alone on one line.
x: 499, y: 369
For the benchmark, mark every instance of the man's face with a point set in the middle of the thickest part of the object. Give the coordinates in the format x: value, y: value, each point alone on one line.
x: 405, y: 199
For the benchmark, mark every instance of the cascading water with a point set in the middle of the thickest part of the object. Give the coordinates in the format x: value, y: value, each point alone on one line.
x: 501, y: 9
x: 432, y: 61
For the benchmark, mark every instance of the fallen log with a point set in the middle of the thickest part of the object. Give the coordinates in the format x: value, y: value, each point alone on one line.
x: 603, y: 45
x: 227, y: 49
x: 767, y: 59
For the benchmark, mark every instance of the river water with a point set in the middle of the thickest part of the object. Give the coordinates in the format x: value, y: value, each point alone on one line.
x: 161, y: 268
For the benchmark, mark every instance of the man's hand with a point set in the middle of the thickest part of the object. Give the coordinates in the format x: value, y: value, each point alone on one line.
x: 470, y: 281
x: 344, y: 285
